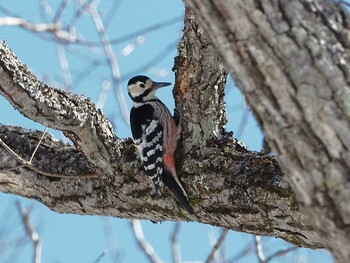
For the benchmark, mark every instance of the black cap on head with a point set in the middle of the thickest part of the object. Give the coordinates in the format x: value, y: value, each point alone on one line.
x: 135, y: 79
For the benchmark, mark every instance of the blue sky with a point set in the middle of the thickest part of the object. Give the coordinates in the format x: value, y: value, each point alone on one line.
x: 73, y: 238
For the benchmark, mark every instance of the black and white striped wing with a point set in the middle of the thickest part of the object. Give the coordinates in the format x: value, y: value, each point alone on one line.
x: 148, y: 136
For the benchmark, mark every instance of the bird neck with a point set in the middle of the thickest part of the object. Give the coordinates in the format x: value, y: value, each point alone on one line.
x: 139, y: 103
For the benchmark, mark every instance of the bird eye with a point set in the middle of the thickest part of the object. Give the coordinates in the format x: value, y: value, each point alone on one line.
x: 142, y: 85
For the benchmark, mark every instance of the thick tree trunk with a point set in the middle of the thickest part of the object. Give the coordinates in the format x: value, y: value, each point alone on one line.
x: 291, y: 60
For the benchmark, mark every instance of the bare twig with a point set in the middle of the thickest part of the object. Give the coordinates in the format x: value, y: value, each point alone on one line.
x: 36, y: 148
x: 108, y: 50
x: 18, y: 158
x: 259, y: 249
x: 60, y: 11
x: 174, y: 244
x: 11, y: 242
x: 281, y: 253
x: 17, y: 21
x: 68, y: 84
x: 46, y: 9
x: 112, y: 244
x: 145, y: 67
x: 103, y: 95
x: 111, y: 13
x: 344, y: 2
x: 79, y: 12
x: 7, y: 11
x: 55, y: 29
x: 149, y: 29
x: 217, y: 245
x: 98, y: 259
x: 142, y: 243
x: 48, y: 174
x: 32, y: 234
x: 244, y: 252
x: 154, y: 60
x: 244, y: 121
x: 135, y: 34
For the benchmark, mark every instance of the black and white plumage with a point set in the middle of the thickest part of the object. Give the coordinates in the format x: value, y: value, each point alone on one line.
x: 155, y: 134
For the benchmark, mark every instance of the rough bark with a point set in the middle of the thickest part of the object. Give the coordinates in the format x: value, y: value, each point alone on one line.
x: 228, y: 185
x: 291, y: 60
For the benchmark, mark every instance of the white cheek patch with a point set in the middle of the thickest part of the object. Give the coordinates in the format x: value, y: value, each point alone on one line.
x: 135, y: 90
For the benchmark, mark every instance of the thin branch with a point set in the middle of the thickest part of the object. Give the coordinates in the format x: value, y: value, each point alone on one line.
x: 79, y: 12
x: 35, y: 169
x: 103, y: 94
x: 45, y: 10
x: 98, y: 259
x: 154, y: 60
x: 135, y: 34
x: 149, y: 29
x: 175, y: 248
x: 68, y: 84
x: 96, y: 63
x: 36, y: 148
x: 7, y: 11
x: 60, y: 11
x: 244, y: 121
x: 217, y: 258
x: 87, y: 71
x: 18, y: 158
x: 217, y: 245
x: 17, y: 21
x: 259, y: 249
x: 111, y: 13
x: 110, y: 236
x: 344, y: 2
x: 244, y: 252
x: 32, y: 234
x: 281, y: 253
x: 145, y: 247
x: 108, y: 50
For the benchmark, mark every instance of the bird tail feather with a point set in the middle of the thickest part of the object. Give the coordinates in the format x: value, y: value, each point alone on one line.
x: 175, y: 186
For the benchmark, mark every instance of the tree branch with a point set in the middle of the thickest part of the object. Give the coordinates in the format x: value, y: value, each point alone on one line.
x: 228, y: 186
x: 259, y: 249
x: 175, y: 247
x: 217, y: 246
x: 75, y: 115
x: 239, y: 195
x: 145, y: 247
x: 31, y: 233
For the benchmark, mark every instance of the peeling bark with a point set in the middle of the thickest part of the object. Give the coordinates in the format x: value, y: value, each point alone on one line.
x: 291, y: 61
x: 228, y: 186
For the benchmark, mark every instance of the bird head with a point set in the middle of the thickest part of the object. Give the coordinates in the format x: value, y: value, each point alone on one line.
x: 142, y: 88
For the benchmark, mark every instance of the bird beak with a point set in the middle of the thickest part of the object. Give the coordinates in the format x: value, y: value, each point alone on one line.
x: 157, y: 85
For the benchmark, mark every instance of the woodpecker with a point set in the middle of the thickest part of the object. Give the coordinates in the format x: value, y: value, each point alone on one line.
x: 155, y: 134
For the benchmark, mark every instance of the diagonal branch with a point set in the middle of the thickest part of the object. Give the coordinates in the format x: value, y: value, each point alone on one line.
x: 111, y: 58
x: 217, y: 245
x: 32, y: 234
x: 145, y: 247
x: 175, y: 247
x: 259, y: 249
x: 228, y: 186
x: 76, y: 116
x: 240, y: 195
